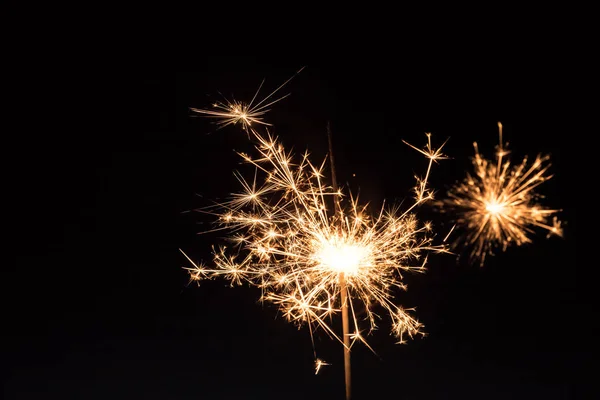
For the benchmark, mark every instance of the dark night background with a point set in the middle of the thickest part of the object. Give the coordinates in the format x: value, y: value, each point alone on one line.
x: 98, y: 304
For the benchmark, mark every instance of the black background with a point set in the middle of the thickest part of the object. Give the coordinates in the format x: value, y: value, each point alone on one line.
x: 98, y: 305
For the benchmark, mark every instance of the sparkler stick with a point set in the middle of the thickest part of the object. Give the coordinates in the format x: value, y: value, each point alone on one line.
x: 342, y: 280
x: 497, y: 207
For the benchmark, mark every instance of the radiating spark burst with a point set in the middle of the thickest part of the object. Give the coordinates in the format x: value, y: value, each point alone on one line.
x: 497, y: 206
x: 287, y: 242
x: 232, y: 111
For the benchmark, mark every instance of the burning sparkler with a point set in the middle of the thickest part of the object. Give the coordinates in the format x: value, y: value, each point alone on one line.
x: 294, y: 249
x: 310, y: 253
x: 497, y: 206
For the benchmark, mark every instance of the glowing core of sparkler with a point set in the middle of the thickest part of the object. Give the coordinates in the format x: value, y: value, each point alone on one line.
x: 494, y: 208
x: 341, y: 256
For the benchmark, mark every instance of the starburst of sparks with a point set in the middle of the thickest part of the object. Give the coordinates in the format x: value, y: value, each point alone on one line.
x: 286, y: 240
x: 228, y: 112
x: 497, y: 206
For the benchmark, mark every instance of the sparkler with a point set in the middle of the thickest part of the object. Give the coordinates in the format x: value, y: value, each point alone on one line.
x: 313, y: 251
x: 287, y: 243
x: 497, y: 206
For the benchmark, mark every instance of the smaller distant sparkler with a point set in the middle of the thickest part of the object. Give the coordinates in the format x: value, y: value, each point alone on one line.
x: 497, y: 206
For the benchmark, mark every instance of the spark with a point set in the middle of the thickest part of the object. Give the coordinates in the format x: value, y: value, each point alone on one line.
x: 298, y: 252
x: 231, y: 112
x: 319, y: 364
x: 497, y: 206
